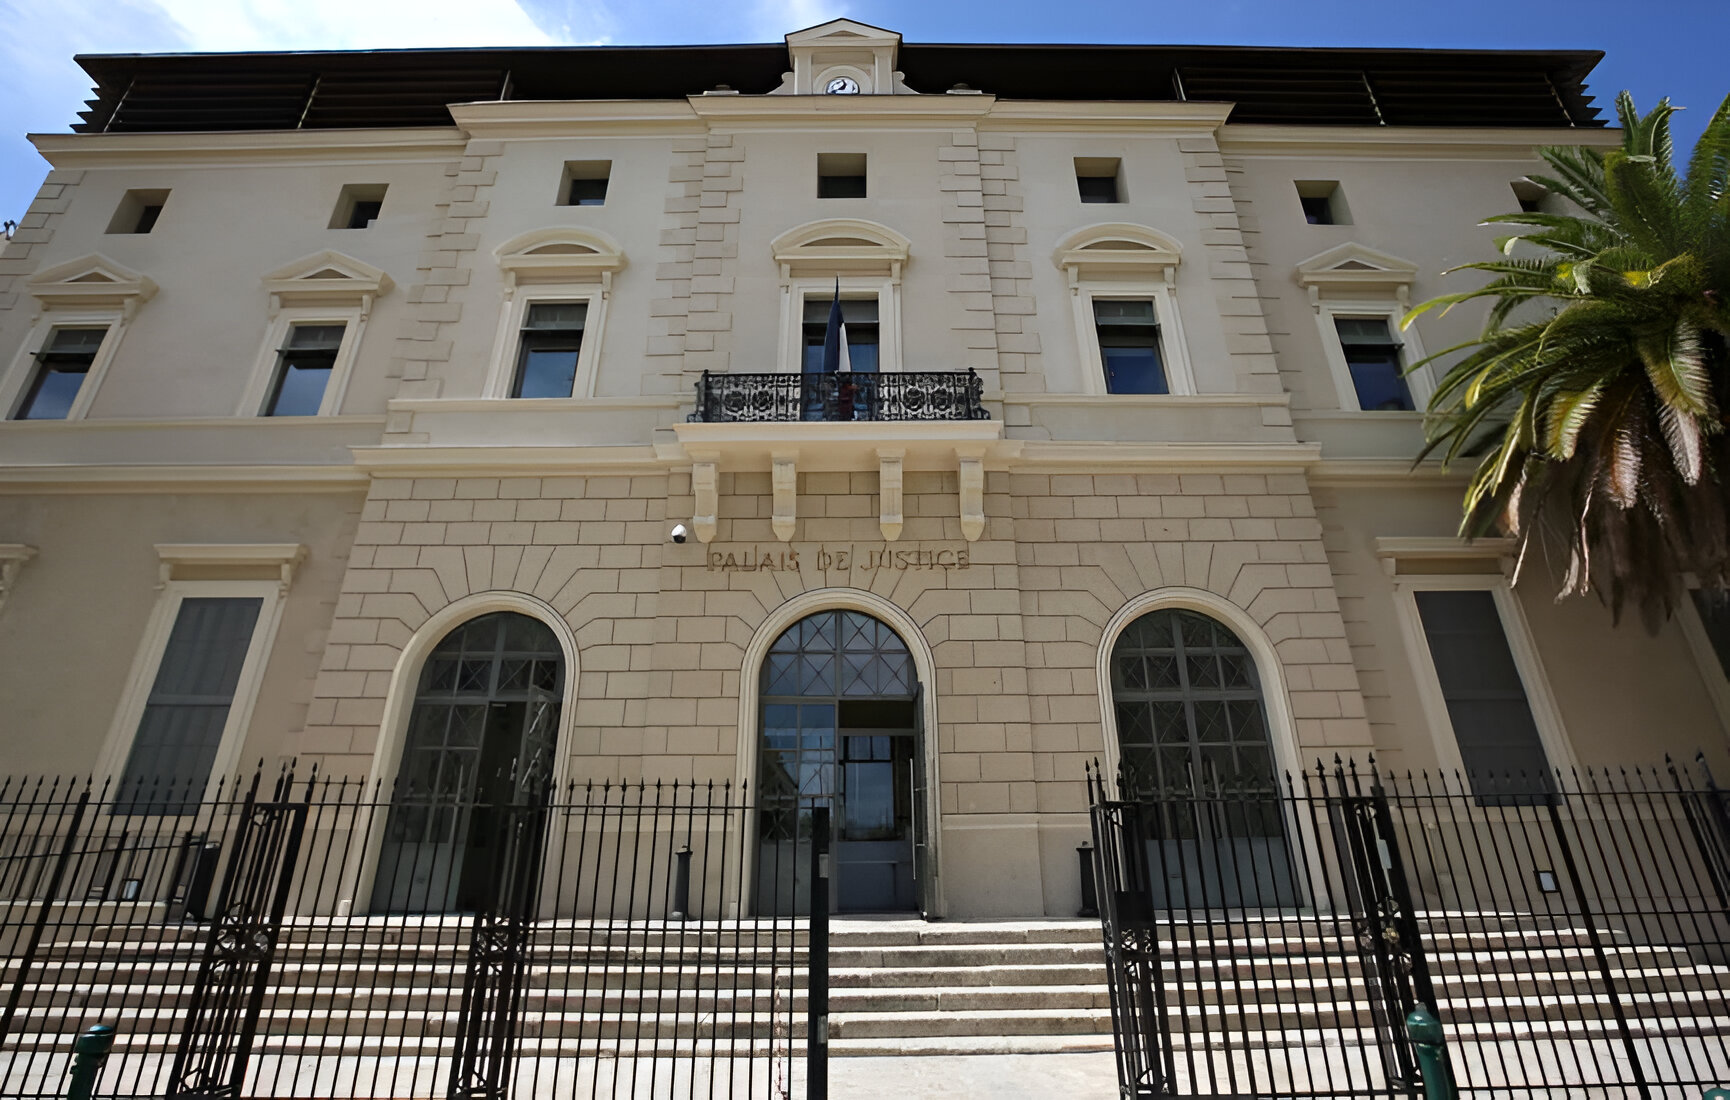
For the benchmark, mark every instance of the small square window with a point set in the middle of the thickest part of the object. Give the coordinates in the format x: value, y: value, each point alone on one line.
x: 585, y: 183
x: 1531, y: 196
x: 1374, y: 357
x: 303, y: 368
x: 138, y: 211
x: 840, y: 175
x: 61, y: 368
x: 357, y: 206
x: 552, y: 339
x: 1128, y: 334
x: 1099, y: 179
x: 1323, y: 202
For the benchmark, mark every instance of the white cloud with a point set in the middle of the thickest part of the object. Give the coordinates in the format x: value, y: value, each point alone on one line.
x: 351, y: 24
x: 771, y: 20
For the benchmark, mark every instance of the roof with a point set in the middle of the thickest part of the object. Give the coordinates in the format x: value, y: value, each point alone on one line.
x: 408, y: 88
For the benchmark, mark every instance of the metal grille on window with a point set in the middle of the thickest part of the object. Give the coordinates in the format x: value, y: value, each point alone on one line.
x: 180, y: 732
x: 1377, y: 368
x: 61, y: 367
x: 552, y: 339
x: 304, y: 366
x: 1128, y: 333
x: 1486, y: 699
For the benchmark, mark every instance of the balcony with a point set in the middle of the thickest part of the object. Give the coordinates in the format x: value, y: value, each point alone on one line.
x: 839, y: 397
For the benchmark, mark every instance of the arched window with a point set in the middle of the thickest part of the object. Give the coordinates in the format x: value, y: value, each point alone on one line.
x: 482, y: 735
x: 1193, y: 748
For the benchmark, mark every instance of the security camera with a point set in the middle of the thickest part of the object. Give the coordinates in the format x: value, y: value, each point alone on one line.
x: 679, y: 533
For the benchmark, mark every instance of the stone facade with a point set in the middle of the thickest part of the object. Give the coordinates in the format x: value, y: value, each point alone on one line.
x: 1025, y: 541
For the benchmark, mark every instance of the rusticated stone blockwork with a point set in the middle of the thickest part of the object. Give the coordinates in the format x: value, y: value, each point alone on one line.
x: 1013, y: 621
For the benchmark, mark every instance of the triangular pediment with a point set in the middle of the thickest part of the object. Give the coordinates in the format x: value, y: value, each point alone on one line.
x: 330, y: 267
x: 1353, y: 263
x: 94, y: 279
x: 843, y: 32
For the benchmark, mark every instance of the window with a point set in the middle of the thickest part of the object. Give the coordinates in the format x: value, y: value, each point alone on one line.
x: 859, y: 320
x: 186, y: 713
x: 1499, y: 741
x: 1098, y: 179
x: 1128, y: 333
x: 552, y: 339
x: 585, y: 183
x: 138, y: 211
x: 62, y: 366
x: 1373, y: 356
x: 1531, y: 196
x: 357, y: 206
x: 1323, y: 202
x: 840, y: 175
x: 304, y: 367
x: 1714, y: 611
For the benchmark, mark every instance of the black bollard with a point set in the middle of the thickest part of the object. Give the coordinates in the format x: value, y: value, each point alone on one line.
x: 1089, y: 891
x: 88, y: 1055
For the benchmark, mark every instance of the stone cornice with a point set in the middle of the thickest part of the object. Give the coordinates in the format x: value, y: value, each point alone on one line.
x: 247, y: 147
x: 1405, y: 142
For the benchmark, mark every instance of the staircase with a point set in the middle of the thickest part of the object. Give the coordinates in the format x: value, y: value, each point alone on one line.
x: 903, y: 987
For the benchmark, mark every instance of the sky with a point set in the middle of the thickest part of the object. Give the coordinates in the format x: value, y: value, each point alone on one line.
x: 1655, y: 48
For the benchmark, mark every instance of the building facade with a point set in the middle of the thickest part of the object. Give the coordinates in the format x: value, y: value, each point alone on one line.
x: 438, y: 416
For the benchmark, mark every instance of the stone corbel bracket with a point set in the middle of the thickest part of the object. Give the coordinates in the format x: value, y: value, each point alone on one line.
x: 784, y: 475
x: 972, y: 467
x: 890, y: 518
x: 705, y: 487
x: 262, y: 559
x: 13, y: 555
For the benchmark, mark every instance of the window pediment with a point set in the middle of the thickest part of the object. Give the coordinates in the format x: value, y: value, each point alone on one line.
x: 326, y: 278
x: 1118, y: 248
x: 838, y: 246
x: 93, y: 280
x: 1357, y: 269
x: 560, y: 255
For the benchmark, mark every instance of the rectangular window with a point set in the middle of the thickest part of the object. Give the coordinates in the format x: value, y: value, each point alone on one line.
x: 552, y: 339
x: 61, y: 367
x: 304, y: 366
x: 1098, y: 179
x: 1323, y: 202
x: 1128, y: 333
x: 858, y: 320
x: 585, y: 182
x: 358, y: 205
x: 186, y: 712
x: 840, y: 175
x: 138, y: 211
x: 1529, y: 195
x: 1714, y: 609
x: 1373, y: 355
x: 1500, y: 746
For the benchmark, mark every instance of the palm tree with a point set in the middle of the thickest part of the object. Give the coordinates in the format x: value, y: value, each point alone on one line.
x: 1595, y: 396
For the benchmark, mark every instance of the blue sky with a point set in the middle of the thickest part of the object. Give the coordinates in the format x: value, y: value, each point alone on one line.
x: 1659, y: 47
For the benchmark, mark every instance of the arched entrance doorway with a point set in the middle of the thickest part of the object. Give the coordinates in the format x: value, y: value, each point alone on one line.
x: 481, y: 736
x: 1193, y: 743
x: 841, y: 727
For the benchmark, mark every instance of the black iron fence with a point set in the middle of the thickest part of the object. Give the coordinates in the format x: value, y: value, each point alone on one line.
x: 1571, y: 933
x: 333, y: 938
x: 840, y: 395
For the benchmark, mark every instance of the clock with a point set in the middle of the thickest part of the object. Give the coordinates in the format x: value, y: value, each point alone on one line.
x: 841, y: 85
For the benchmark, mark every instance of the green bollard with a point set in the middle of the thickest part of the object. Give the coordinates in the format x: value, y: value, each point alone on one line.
x: 88, y: 1055
x: 1717, y: 1094
x: 1432, y: 1049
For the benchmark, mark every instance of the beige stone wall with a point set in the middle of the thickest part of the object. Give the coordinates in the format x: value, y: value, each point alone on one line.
x: 74, y: 620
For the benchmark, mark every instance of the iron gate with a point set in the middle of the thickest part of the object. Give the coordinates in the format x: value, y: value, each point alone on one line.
x: 613, y: 953
x: 1570, y: 931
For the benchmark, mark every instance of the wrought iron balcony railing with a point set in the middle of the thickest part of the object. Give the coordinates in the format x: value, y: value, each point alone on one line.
x: 840, y: 396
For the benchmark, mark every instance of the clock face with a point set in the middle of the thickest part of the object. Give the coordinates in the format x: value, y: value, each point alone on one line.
x: 841, y: 85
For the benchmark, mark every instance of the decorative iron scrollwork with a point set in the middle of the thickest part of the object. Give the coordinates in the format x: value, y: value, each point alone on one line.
x: 840, y: 396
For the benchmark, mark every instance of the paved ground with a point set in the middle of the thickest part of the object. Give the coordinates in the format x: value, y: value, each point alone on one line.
x: 975, y: 1077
